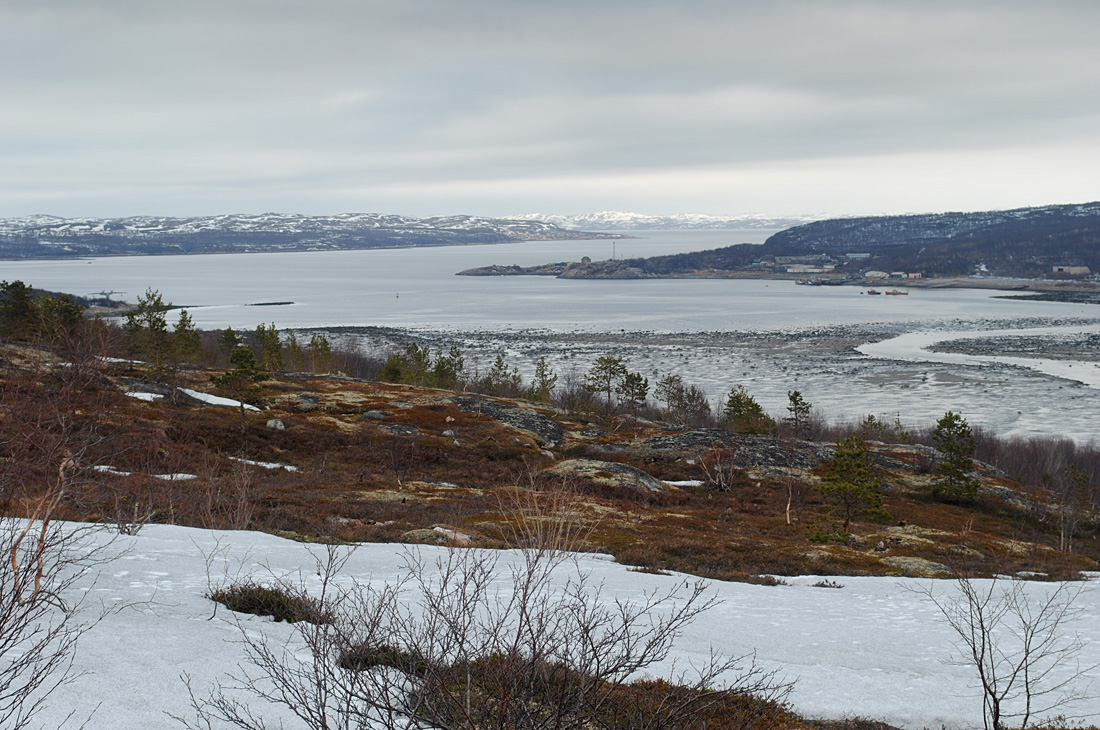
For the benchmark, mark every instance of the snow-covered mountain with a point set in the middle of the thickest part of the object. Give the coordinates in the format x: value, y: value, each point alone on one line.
x: 622, y: 221
x: 44, y: 235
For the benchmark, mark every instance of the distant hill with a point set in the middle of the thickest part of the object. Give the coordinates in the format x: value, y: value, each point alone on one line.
x: 48, y: 236
x: 1019, y: 242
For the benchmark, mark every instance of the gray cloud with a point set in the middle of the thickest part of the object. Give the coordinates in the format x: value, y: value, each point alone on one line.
x: 127, y: 106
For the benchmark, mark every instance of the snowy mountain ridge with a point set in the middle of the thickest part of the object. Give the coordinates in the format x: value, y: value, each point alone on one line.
x: 612, y: 220
x: 44, y: 235
x: 47, y: 225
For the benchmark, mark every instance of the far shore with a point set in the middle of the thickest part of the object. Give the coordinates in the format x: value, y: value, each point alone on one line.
x: 577, y: 271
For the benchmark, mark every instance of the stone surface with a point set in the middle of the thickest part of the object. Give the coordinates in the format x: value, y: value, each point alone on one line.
x: 400, y: 429
x: 611, y: 473
x: 751, y: 451
x: 541, y: 427
x: 276, y: 424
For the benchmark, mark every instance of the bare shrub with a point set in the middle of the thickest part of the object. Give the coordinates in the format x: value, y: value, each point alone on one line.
x: 280, y: 602
x: 1019, y: 646
x: 227, y: 502
x: 719, y: 470
x: 450, y: 648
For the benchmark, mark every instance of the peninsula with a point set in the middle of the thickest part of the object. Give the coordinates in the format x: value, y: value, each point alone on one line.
x: 1041, y: 249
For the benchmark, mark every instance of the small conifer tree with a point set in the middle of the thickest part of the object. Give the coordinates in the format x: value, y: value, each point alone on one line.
x: 542, y: 386
x: 241, y: 383
x: 799, y: 410
x: 604, y: 377
x: 852, y: 482
x: 744, y: 415
x: 955, y: 480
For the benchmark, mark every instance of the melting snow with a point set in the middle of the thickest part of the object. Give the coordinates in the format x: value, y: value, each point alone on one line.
x: 144, y: 396
x: 217, y: 400
x: 264, y: 464
x: 873, y: 648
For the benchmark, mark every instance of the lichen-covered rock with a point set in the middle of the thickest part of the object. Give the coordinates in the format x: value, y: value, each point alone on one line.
x: 611, y: 473
x: 400, y: 429
x: 438, y: 535
x: 751, y: 451
x: 918, y: 567
x: 541, y: 427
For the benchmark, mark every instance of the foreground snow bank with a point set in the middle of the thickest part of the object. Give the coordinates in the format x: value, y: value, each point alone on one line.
x: 872, y: 648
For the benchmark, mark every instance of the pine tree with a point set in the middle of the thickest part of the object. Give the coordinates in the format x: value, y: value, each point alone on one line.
x: 186, y: 340
x: 320, y: 353
x: 852, y: 482
x: 542, y: 386
x: 270, y: 347
x: 241, y: 383
x: 228, y: 342
x: 744, y: 415
x: 799, y: 409
x: 449, y: 369
x: 955, y: 480
x: 295, y: 357
x: 18, y: 310
x: 694, y: 406
x: 604, y: 376
x: 633, y: 390
x: 670, y: 389
x: 147, y: 330
x: 503, y: 380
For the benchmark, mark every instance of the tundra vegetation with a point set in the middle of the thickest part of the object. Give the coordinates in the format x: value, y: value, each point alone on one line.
x: 417, y: 446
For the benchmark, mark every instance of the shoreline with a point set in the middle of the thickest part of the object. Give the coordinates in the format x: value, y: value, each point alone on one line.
x: 576, y: 271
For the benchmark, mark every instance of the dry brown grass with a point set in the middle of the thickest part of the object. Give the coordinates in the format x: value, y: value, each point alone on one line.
x: 358, y: 482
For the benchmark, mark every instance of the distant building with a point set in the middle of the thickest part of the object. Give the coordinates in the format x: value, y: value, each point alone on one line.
x: 816, y: 259
x: 875, y: 275
x: 897, y: 274
x: 809, y: 269
x: 857, y: 256
x: 1071, y: 270
x: 915, y: 275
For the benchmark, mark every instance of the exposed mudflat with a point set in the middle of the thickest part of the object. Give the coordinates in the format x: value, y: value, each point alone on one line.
x: 821, y: 362
x: 1075, y: 346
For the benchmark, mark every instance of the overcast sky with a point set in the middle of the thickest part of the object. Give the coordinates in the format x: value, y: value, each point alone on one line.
x: 492, y: 107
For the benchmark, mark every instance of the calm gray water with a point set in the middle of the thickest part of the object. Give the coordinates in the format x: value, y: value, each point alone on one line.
x: 417, y: 287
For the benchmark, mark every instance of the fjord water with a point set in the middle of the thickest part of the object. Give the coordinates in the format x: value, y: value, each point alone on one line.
x: 416, y: 288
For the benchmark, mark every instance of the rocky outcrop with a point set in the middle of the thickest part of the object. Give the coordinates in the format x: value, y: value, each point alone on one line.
x: 609, y: 473
x: 529, y: 420
x: 751, y: 451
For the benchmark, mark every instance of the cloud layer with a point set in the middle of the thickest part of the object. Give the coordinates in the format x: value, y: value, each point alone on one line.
x: 496, y: 106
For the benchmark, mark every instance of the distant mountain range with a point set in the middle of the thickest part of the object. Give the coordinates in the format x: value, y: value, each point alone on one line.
x: 49, y: 236
x: 620, y: 221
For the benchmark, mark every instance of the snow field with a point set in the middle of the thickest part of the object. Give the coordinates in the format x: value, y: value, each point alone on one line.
x: 875, y: 647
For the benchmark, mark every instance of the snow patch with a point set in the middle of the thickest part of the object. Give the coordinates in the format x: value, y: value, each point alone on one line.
x: 217, y: 400
x: 264, y: 464
x: 144, y: 396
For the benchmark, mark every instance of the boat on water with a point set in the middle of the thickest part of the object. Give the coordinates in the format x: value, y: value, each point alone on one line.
x: 897, y: 293
x: 873, y: 291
